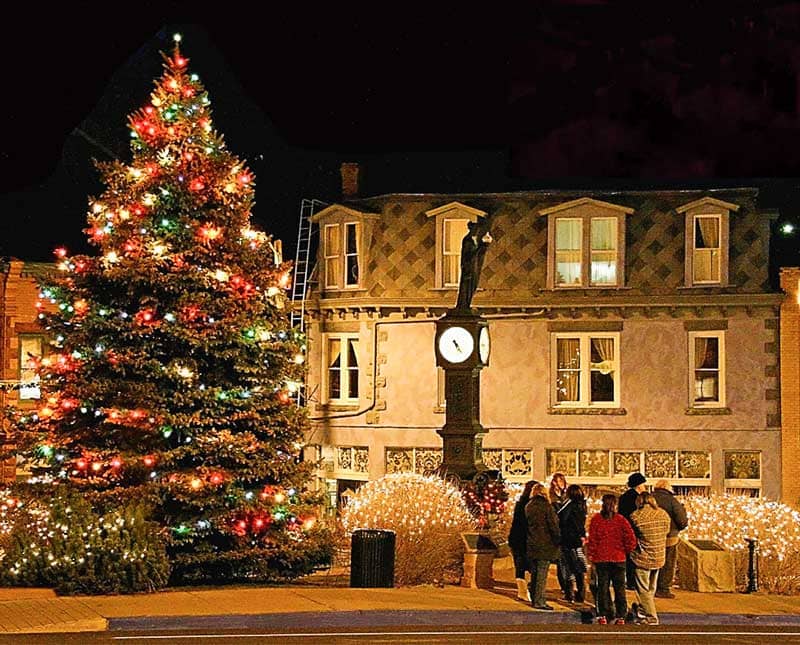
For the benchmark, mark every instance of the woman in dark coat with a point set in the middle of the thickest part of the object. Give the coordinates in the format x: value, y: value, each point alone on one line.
x: 516, y: 542
x: 542, y: 548
x: 572, y: 522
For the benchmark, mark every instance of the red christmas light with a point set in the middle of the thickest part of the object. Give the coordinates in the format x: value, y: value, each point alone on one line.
x: 60, y: 252
x: 149, y: 109
x: 216, y: 478
x: 197, y: 184
x: 149, y: 460
x: 81, y: 464
x: 116, y: 462
x: 188, y: 92
x: 180, y: 61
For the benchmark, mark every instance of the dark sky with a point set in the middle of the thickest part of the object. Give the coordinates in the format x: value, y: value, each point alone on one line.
x: 580, y: 94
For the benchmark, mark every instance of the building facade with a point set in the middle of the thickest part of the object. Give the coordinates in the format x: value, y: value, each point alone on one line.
x: 22, y: 341
x: 631, y: 330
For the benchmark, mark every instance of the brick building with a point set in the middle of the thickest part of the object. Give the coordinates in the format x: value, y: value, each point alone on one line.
x: 21, y: 339
x: 630, y: 330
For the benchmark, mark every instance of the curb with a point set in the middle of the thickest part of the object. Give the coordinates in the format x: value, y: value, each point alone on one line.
x: 303, y: 620
x: 72, y: 626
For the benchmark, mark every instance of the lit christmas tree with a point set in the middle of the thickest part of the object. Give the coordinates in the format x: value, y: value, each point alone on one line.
x: 174, y: 363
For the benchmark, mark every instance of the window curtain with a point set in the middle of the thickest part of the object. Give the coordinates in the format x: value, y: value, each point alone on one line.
x: 709, y: 232
x: 700, y: 351
x: 352, y: 369
x: 604, y: 250
x: 568, y: 251
x: 706, y: 254
x: 605, y: 348
x: 569, y: 362
x: 334, y: 368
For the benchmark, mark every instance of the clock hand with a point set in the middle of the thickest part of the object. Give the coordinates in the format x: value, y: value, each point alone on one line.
x: 458, y: 348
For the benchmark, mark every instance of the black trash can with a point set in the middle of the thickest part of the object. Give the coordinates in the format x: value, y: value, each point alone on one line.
x: 372, y: 558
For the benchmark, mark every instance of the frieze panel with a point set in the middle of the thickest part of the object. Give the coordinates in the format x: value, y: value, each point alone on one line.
x: 659, y: 464
x: 743, y: 465
x: 562, y: 461
x: 626, y: 462
x: 493, y: 458
x: 694, y: 464
x: 399, y: 460
x: 427, y: 460
x: 361, y: 460
x: 518, y: 463
x: 593, y: 463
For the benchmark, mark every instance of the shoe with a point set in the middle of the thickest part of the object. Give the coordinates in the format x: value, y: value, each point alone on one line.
x: 650, y: 621
x: 602, y: 620
x: 619, y: 621
x: 544, y: 607
x: 664, y: 594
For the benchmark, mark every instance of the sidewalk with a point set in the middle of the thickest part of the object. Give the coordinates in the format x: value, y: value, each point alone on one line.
x: 324, y: 600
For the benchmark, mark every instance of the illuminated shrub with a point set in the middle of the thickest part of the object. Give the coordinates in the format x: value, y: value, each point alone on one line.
x: 427, y: 515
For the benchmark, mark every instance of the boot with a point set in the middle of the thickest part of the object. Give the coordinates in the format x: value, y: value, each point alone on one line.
x: 579, y: 588
x: 523, y: 592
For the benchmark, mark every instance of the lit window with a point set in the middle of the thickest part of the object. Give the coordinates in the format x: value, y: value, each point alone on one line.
x: 454, y: 232
x: 31, y: 349
x: 707, y: 368
x: 586, y: 370
x: 342, y: 368
x: 451, y: 228
x: 586, y: 247
x: 569, y: 234
x: 706, y: 260
x: 604, y: 251
x: 341, y: 253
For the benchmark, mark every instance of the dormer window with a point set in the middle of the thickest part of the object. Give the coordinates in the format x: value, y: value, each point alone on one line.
x: 586, y: 244
x: 344, y: 235
x: 342, y: 263
x: 707, y: 222
x: 451, y: 227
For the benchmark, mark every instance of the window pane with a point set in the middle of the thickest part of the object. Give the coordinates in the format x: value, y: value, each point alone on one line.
x: 351, y: 256
x: 707, y: 352
x: 568, y: 376
x: 706, y: 233
x: 334, y: 368
x: 332, y: 240
x: 454, y: 232
x: 352, y: 238
x: 706, y: 265
x: 451, y: 269
x: 31, y: 348
x: 333, y: 271
x: 352, y: 353
x: 706, y: 386
x: 602, y: 369
x: 568, y: 251
x: 604, y: 250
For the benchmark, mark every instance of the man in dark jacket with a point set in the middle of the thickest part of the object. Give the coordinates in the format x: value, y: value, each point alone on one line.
x: 678, y: 521
x: 542, y: 544
x: 627, y: 505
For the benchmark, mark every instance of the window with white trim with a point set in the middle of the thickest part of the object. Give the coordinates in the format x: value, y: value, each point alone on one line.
x: 341, y: 253
x: 593, y: 261
x: 707, y: 252
x: 707, y: 369
x: 341, y: 368
x: 585, y: 369
x: 31, y: 350
x: 453, y: 232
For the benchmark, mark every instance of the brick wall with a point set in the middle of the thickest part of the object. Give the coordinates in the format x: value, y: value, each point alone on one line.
x: 790, y: 386
x: 18, y: 315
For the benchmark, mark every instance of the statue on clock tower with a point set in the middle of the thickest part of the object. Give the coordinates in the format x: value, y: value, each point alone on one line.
x: 462, y: 349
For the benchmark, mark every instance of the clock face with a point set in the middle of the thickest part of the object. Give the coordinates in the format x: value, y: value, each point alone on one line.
x: 456, y: 344
x: 483, y: 345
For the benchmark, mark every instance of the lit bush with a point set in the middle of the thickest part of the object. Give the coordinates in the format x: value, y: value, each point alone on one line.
x: 730, y: 519
x: 427, y: 515
x: 57, y: 541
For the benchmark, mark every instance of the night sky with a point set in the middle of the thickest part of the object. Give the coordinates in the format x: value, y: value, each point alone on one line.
x: 580, y: 95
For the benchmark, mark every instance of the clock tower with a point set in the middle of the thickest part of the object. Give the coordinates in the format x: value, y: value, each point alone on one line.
x: 462, y: 350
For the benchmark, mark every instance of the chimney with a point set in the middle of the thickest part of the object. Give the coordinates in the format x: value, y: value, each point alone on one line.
x: 350, y: 176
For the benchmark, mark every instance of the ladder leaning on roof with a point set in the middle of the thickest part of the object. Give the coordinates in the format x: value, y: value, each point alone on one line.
x: 302, y: 261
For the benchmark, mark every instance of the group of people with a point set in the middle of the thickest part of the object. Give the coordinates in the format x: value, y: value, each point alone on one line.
x: 631, y: 543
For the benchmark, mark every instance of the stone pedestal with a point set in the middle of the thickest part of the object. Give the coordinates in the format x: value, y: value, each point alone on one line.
x: 703, y: 565
x: 479, y: 553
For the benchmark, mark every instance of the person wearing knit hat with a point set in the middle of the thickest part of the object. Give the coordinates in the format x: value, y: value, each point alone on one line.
x: 627, y: 505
